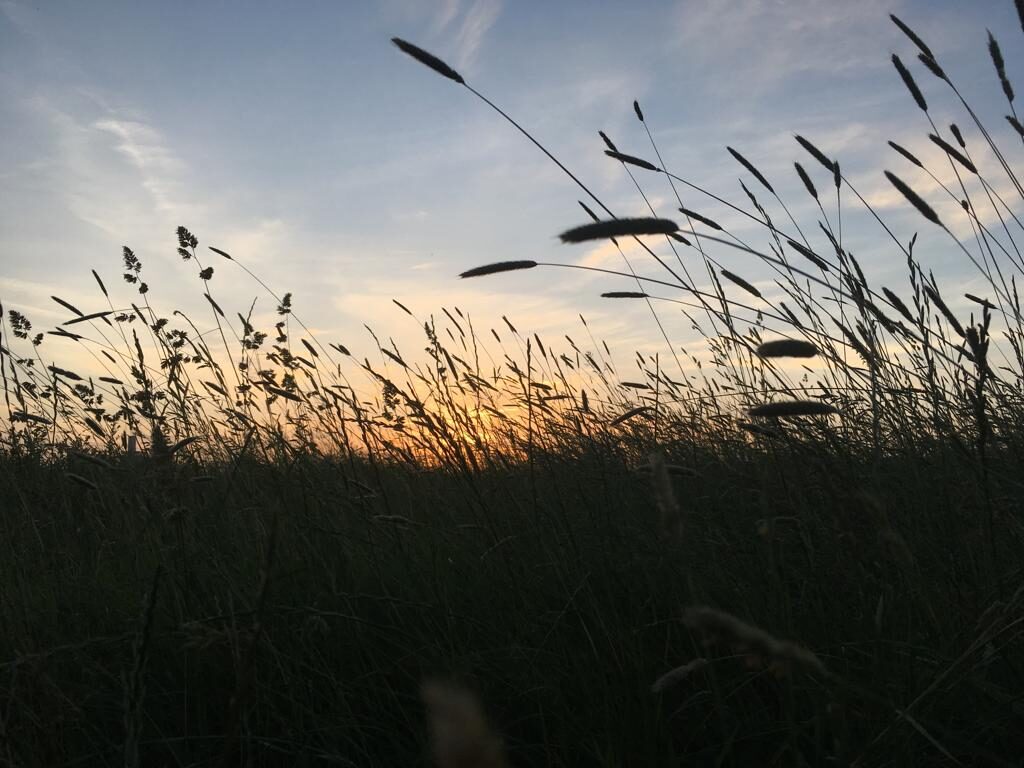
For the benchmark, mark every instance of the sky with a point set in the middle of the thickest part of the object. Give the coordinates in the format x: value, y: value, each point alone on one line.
x: 297, y: 138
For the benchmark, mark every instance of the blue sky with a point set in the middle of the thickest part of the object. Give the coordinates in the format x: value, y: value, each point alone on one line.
x: 295, y: 136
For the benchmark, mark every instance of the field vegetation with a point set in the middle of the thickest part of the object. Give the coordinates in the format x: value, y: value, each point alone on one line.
x: 234, y: 545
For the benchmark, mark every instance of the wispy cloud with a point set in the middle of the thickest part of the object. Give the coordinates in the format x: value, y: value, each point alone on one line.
x: 447, y: 10
x: 118, y: 175
x: 146, y: 150
x: 820, y: 35
x: 476, y: 22
x: 943, y: 191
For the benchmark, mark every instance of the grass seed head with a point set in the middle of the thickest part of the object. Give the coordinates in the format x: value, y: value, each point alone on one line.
x: 906, y: 153
x: 500, y: 266
x: 792, y: 408
x: 816, y: 153
x: 703, y: 219
x: 678, y: 675
x: 908, y: 80
x: 914, y: 199
x: 740, y: 282
x: 810, y: 255
x: 787, y: 348
x: 601, y: 230
x: 428, y: 59
x: 932, y: 66
x: 812, y: 191
x: 911, y: 34
x: 460, y: 736
x: 721, y: 627
x: 953, y: 152
x: 1015, y: 124
x: 750, y: 167
x: 631, y: 160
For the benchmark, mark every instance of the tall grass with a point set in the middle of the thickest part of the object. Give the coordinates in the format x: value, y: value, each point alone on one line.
x: 723, y: 562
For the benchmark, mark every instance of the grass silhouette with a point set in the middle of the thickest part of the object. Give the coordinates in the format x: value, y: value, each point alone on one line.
x: 227, y: 544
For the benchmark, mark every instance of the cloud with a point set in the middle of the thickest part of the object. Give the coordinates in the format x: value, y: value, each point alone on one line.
x: 819, y: 35
x: 118, y: 175
x: 476, y: 22
x: 446, y: 13
x: 945, y: 179
x: 145, y: 149
x: 255, y: 242
x: 607, y: 255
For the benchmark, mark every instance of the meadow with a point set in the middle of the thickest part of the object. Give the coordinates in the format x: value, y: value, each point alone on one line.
x: 233, y: 545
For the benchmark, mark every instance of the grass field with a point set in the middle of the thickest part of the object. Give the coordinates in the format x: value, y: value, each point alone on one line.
x: 233, y: 546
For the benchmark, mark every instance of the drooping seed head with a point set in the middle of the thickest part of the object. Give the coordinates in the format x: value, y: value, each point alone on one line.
x: 911, y: 34
x: 816, y: 153
x: 978, y: 300
x: 1000, y: 65
x: 908, y: 80
x: 898, y: 304
x: 1015, y: 124
x: 740, y: 282
x: 428, y: 60
x: 68, y: 306
x: 906, y: 153
x: 754, y: 429
x: 787, y: 348
x: 789, y: 313
x: 631, y: 413
x: 64, y: 373
x: 953, y: 152
x: 631, y: 160
x: 914, y: 199
x: 678, y: 675
x: 588, y: 210
x: 933, y: 66
x: 856, y: 344
x: 104, y: 288
x: 500, y: 266
x: 25, y: 416
x: 727, y: 629
x: 600, y: 230
x: 702, y: 219
x: 810, y: 255
x: 811, y: 190
x: 955, y: 130
x: 936, y: 299
x: 750, y: 167
x: 460, y: 735
x: 792, y: 408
